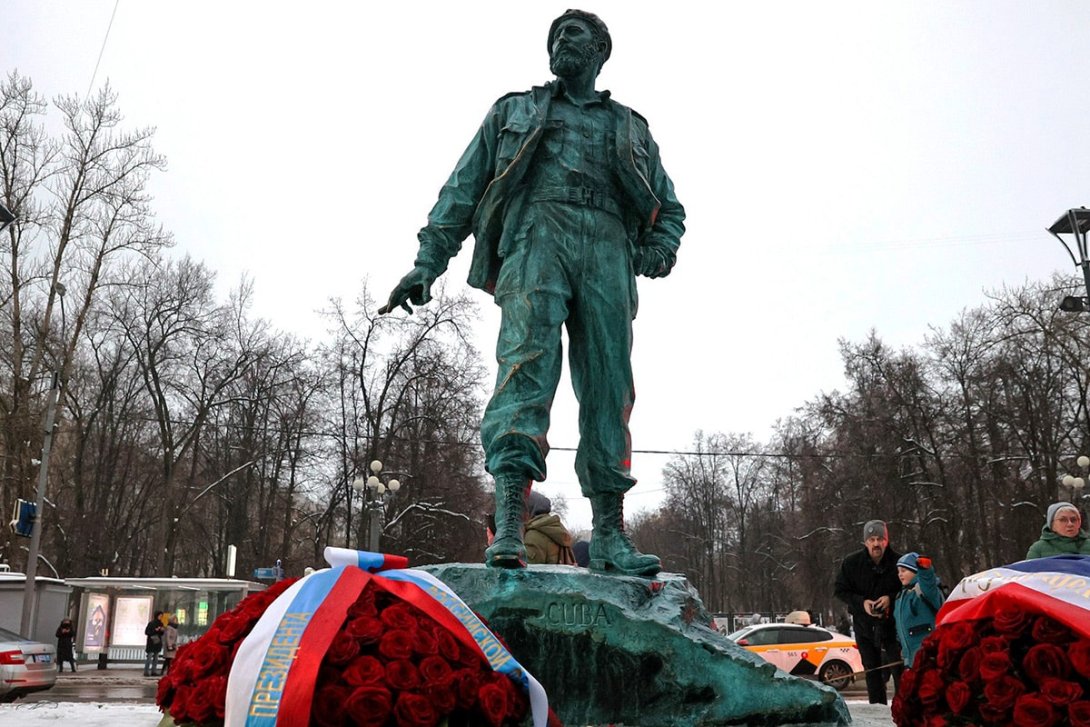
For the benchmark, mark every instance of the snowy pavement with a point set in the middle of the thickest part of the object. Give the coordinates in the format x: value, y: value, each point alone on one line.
x: 147, y: 715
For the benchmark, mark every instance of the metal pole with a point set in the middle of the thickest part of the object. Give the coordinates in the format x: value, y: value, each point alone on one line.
x: 30, y: 593
x: 376, y: 525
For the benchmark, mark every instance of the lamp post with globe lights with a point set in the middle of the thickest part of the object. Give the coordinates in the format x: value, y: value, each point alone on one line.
x: 376, y: 494
x: 1077, y: 483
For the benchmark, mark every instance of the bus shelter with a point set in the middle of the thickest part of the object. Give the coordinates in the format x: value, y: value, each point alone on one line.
x: 111, y: 613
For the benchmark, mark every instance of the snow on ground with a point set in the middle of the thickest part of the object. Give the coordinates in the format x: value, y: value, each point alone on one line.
x: 83, y: 714
x: 147, y: 715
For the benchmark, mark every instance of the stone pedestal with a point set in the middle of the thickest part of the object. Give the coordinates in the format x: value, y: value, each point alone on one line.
x: 634, y: 651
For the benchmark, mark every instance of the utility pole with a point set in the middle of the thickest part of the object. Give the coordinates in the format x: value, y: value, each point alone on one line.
x: 30, y: 592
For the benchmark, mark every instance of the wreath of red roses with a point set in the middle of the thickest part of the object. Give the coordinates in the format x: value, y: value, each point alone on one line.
x: 390, y: 665
x: 1019, y: 668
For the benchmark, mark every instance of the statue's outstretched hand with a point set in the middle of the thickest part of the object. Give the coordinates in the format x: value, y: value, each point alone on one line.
x: 414, y: 287
x: 654, y: 262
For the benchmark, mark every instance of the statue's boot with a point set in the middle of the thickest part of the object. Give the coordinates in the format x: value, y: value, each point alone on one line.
x: 507, y: 549
x: 611, y: 550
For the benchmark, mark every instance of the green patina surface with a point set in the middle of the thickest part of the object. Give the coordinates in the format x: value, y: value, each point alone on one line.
x: 614, y: 649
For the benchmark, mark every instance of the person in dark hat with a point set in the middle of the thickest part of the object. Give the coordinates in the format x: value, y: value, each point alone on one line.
x: 868, y: 584
x: 564, y: 192
x: 547, y: 540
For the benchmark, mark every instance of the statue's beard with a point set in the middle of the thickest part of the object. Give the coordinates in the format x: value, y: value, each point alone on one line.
x: 571, y: 61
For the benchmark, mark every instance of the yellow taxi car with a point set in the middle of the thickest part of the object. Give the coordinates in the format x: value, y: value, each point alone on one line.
x: 805, y: 651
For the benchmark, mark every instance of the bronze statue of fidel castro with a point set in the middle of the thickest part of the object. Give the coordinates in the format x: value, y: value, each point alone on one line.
x: 567, y: 200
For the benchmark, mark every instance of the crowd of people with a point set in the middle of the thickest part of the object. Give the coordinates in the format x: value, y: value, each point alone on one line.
x: 893, y: 599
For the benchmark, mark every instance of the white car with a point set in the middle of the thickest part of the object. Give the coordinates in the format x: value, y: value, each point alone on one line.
x: 25, y: 666
x: 806, y: 651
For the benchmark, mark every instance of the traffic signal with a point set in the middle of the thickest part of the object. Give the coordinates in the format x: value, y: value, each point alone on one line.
x: 23, y: 517
x: 1074, y: 304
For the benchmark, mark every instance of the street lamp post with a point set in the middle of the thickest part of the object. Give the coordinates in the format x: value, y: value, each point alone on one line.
x: 1075, y: 223
x: 1077, y: 483
x: 376, y: 494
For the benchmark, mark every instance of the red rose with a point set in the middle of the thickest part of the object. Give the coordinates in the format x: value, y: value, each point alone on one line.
x: 968, y: 666
x: 931, y: 687
x: 898, y: 710
x: 365, y: 629
x: 1032, y: 711
x: 957, y: 696
x: 434, y: 669
x: 518, y: 703
x: 1001, y: 693
x: 1046, y: 660
x: 492, y: 699
x: 471, y: 657
x: 214, y: 690
x: 994, y: 665
x: 369, y: 706
x: 443, y: 693
x: 179, y: 708
x: 396, y: 644
x: 328, y: 707
x: 1079, y: 654
x: 233, y: 627
x: 936, y: 720
x: 415, y: 710
x: 994, y: 715
x: 364, y: 671
x: 1059, y: 691
x: 200, y: 707
x: 908, y: 680
x: 399, y: 616
x: 1050, y: 631
x: 449, y: 648
x: 1079, y: 713
x: 466, y: 682
x: 364, y: 605
x: 402, y: 674
x: 958, y: 635
x: 164, y: 692
x: 993, y: 643
x: 424, y: 643
x: 1013, y: 621
x: 207, y: 657
x: 343, y: 649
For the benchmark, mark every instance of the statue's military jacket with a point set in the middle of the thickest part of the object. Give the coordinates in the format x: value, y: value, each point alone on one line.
x: 483, y: 194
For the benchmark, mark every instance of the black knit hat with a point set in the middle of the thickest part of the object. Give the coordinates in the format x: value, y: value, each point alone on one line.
x: 595, y: 22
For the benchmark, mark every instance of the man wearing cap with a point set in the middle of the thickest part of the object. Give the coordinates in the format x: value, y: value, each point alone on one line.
x: 567, y: 201
x: 1062, y: 533
x: 868, y: 583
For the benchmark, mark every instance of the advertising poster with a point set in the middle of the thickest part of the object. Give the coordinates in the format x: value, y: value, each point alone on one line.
x: 94, y: 625
x: 131, y: 615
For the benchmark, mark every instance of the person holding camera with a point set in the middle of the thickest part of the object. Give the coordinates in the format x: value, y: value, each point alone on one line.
x: 868, y: 584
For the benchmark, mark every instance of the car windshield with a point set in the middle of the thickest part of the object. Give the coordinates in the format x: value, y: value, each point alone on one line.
x: 739, y: 633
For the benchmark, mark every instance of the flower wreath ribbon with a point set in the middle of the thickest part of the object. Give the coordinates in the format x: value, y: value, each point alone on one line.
x: 1058, y: 585
x: 274, y: 672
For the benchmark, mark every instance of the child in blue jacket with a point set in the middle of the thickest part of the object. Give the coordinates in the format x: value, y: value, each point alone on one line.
x: 917, y: 603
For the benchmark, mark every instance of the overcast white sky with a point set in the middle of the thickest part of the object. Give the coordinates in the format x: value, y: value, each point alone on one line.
x: 843, y: 165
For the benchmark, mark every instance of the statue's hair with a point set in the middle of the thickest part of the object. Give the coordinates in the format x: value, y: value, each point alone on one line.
x: 601, y: 32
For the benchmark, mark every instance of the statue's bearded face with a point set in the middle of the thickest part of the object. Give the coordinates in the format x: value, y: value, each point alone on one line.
x: 575, y: 47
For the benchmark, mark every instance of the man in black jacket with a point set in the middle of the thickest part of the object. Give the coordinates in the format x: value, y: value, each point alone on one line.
x: 868, y: 583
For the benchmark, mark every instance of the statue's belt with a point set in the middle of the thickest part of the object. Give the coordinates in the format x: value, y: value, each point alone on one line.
x: 584, y: 196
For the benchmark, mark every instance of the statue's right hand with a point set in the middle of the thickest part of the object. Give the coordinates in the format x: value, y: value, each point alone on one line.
x: 414, y: 287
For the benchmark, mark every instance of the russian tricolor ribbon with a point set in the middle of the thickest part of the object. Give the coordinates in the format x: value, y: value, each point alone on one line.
x: 274, y: 672
x: 1058, y: 586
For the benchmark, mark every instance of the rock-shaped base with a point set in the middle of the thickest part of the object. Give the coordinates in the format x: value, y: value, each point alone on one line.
x: 614, y: 649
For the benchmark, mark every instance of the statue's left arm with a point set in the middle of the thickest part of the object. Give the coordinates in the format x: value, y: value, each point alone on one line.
x: 657, y: 250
